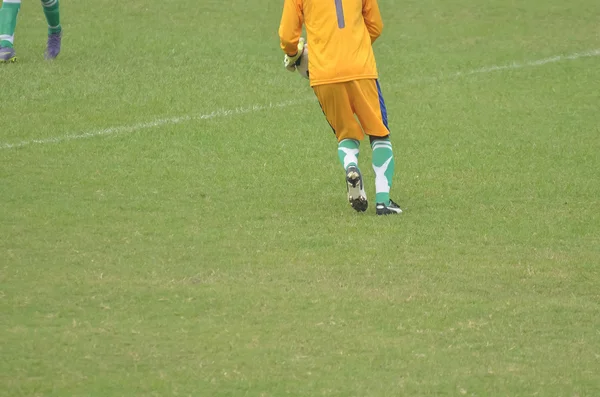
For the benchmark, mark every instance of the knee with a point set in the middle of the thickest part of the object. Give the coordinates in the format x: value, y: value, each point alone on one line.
x: 378, y: 138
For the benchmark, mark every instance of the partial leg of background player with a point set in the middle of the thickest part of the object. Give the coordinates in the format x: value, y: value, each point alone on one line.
x: 8, y: 23
x: 52, y: 13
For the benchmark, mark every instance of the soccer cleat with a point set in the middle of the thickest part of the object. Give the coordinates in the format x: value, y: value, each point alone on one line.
x: 356, y: 192
x: 53, y: 48
x: 7, y: 54
x: 391, y: 208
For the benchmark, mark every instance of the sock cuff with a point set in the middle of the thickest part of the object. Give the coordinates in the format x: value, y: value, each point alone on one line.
x: 8, y: 38
x: 11, y: 2
x: 349, y: 143
x: 49, y: 3
x: 381, y: 144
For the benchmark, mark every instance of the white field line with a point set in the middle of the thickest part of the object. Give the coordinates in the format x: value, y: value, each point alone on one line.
x: 124, y: 129
x: 512, y: 65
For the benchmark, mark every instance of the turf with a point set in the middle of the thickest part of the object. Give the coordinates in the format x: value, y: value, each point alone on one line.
x: 173, y: 218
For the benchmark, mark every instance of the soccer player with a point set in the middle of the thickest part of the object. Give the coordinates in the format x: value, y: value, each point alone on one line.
x: 343, y: 75
x: 8, y: 23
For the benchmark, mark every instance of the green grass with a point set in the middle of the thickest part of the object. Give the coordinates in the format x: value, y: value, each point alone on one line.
x: 218, y: 257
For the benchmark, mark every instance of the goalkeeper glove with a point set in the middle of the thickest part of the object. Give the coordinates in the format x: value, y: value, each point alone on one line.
x: 291, y: 61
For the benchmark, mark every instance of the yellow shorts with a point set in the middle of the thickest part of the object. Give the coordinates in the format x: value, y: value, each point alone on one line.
x: 341, y: 101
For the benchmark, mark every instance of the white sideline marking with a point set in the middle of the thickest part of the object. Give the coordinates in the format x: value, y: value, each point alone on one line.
x: 151, y: 124
x: 257, y: 108
x: 513, y: 65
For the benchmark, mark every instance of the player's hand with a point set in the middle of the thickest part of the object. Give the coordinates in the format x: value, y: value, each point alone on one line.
x: 290, y: 61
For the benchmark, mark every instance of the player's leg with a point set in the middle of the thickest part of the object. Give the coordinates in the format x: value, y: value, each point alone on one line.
x: 8, y: 23
x: 336, y: 106
x: 383, y: 165
x: 372, y: 114
x: 52, y: 13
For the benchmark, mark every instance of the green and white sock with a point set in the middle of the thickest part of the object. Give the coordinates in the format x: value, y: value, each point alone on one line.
x: 348, y: 152
x: 52, y: 12
x: 383, y: 165
x: 8, y: 22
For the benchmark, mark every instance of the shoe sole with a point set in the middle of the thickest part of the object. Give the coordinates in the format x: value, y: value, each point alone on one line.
x: 10, y: 60
x: 388, y: 211
x: 356, y: 199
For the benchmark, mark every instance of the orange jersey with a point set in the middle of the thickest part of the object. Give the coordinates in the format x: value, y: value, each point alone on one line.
x: 339, y: 34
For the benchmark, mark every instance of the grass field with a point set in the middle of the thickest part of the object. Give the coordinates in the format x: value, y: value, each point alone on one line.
x: 173, y: 219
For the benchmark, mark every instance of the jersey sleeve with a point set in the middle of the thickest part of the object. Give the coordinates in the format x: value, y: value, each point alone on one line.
x: 290, y: 27
x: 372, y: 18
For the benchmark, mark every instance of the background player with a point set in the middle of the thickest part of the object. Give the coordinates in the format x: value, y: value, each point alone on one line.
x: 8, y: 23
x: 343, y: 75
